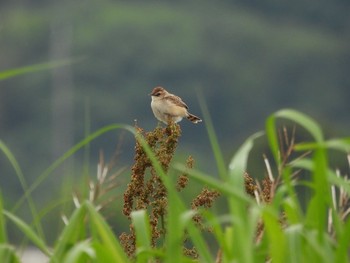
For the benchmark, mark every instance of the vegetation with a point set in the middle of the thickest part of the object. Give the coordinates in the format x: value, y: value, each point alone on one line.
x: 262, y: 56
x: 93, y: 62
x: 150, y: 194
x: 265, y: 221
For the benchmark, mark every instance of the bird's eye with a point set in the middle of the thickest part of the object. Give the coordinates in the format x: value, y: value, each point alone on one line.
x: 157, y: 94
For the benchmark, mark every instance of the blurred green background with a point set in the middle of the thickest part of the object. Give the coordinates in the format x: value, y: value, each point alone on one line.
x: 248, y: 58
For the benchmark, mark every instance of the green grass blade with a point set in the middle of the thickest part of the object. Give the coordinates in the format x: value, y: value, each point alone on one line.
x: 342, y: 145
x: 216, y: 223
x: 3, y: 232
x: 317, y: 209
x: 105, y: 234
x: 238, y: 164
x: 332, y: 177
x: 339, y: 181
x: 196, y: 236
x: 339, y: 144
x: 294, y: 238
x: 71, y: 234
x: 306, y: 146
x: 231, y: 193
x: 30, y: 234
x: 315, y: 250
x: 229, y: 237
x: 103, y: 254
x: 306, y: 122
x: 80, y: 253
x: 180, y: 221
x: 213, y: 183
x: 140, y: 222
x: 8, y: 254
x: 175, y: 230
x: 342, y: 248
x: 316, y: 213
x: 24, y: 185
x: 272, y: 137
x: 76, y: 231
x: 213, y: 140
x: 292, y: 211
x: 36, y: 67
x: 87, y: 132
x: 303, y: 120
x: 242, y: 220
x: 277, y: 239
x: 291, y: 203
x: 65, y: 156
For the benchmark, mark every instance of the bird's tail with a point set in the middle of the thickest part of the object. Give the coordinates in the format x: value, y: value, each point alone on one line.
x: 193, y: 118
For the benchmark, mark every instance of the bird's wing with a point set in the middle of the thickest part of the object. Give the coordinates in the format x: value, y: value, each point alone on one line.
x: 176, y: 100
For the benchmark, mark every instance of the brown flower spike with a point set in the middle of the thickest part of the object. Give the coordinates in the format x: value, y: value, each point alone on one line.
x: 146, y: 190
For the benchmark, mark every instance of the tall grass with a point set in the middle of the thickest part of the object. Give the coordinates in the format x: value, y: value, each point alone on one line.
x: 265, y: 224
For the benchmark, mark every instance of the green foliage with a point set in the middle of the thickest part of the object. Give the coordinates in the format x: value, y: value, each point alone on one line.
x: 271, y: 226
x: 24, y: 185
x: 44, y: 175
x: 283, y: 58
x: 8, y: 254
x: 168, y: 216
x: 28, y: 232
x: 3, y: 234
x: 35, y: 68
x: 74, y: 241
x: 130, y: 47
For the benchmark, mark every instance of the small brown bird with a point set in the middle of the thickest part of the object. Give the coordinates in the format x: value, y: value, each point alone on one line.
x: 167, y: 106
